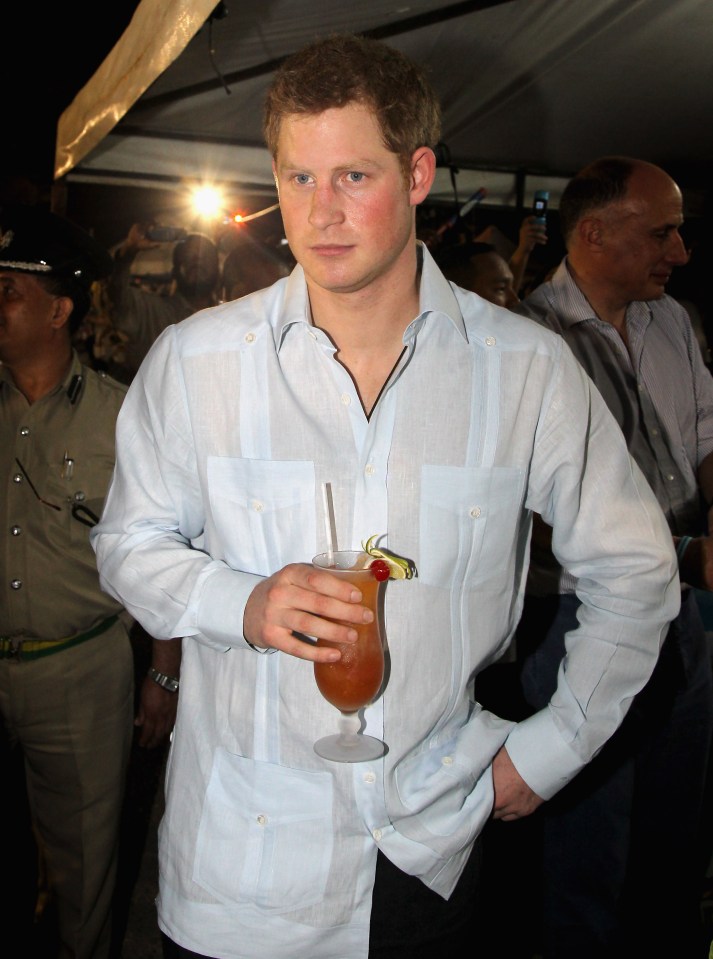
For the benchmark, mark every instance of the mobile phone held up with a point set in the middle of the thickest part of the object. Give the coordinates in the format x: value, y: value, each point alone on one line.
x: 539, y: 206
x: 165, y: 234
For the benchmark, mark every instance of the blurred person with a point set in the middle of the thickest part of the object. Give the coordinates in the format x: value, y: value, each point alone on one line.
x: 250, y: 265
x: 625, y: 846
x: 436, y: 425
x: 140, y: 315
x: 478, y: 267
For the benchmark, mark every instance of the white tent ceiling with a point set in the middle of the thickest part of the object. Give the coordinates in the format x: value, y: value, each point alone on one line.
x: 531, y: 89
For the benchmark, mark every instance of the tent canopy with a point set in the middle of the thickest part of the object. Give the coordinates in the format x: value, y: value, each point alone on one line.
x: 531, y: 89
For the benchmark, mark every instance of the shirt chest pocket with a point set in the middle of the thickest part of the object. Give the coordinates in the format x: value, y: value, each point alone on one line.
x: 469, y: 519
x: 263, y: 511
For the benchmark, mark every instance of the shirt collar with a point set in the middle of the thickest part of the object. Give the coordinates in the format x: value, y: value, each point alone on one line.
x: 576, y: 308
x: 435, y: 297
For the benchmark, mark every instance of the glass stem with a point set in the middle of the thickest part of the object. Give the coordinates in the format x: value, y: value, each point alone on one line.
x: 349, y: 724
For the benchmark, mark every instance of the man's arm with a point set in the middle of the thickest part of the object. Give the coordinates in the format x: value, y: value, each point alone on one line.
x: 532, y: 233
x: 156, y: 714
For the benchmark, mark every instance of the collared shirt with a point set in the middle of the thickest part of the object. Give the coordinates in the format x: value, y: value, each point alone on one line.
x: 235, y: 420
x: 659, y: 391
x: 63, y: 445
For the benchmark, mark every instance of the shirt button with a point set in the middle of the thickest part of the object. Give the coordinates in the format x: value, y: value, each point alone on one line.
x: 369, y: 778
x: 258, y: 506
x: 447, y: 760
x: 490, y: 341
x: 17, y: 478
x: 671, y: 477
x: 16, y: 584
x: 249, y: 337
x: 15, y: 530
x: 261, y: 820
x: 346, y: 399
x: 25, y: 431
x: 475, y: 512
x: 376, y: 833
x: 370, y: 470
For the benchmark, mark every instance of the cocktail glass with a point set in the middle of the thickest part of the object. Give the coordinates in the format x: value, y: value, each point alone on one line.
x: 354, y: 681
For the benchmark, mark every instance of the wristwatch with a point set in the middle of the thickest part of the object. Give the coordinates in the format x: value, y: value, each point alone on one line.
x: 166, y: 682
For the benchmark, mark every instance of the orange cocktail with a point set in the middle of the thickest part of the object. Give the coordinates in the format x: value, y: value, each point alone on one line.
x: 355, y: 680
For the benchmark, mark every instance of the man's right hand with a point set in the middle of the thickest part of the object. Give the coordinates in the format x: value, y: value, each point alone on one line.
x: 135, y: 241
x: 301, y: 601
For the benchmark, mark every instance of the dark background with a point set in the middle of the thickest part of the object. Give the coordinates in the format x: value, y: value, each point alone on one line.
x: 47, y: 54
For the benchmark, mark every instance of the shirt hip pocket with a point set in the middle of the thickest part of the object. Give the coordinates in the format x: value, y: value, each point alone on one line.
x: 265, y: 834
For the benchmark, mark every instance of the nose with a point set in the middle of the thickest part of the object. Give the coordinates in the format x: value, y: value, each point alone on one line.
x: 325, y: 209
x: 677, y: 254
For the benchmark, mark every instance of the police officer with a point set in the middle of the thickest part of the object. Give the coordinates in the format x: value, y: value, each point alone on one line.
x: 66, y: 666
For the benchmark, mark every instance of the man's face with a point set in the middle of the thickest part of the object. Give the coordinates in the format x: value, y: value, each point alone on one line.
x: 641, y: 244
x: 493, y: 280
x: 27, y: 317
x: 347, y: 212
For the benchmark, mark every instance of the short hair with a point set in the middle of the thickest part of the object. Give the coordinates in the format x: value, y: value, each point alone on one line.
x: 456, y: 261
x: 598, y: 184
x: 78, y: 293
x: 191, y: 239
x: 339, y: 70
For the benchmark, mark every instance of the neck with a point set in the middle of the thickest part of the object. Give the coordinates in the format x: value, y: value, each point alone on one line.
x: 37, y: 377
x: 606, y: 304
x: 367, y: 327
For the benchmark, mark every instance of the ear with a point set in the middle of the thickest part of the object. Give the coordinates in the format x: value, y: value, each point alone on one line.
x: 590, y: 231
x: 423, y: 172
x: 61, y: 312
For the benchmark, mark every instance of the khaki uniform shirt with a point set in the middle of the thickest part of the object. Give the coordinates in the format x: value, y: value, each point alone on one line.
x: 63, y: 445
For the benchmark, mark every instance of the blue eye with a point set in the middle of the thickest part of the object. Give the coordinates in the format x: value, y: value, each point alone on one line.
x: 355, y: 177
x: 302, y: 178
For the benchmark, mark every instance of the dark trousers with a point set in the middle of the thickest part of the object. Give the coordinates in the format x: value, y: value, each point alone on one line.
x: 408, y: 920
x: 624, y: 844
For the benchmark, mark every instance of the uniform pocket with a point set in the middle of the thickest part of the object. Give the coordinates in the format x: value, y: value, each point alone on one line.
x: 265, y: 834
x: 467, y: 513
x: 265, y: 511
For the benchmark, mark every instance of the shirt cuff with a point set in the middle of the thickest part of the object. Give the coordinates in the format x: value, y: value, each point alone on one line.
x: 222, y: 607
x: 541, y: 756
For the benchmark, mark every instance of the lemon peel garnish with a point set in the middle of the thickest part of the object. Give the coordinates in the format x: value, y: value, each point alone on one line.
x: 399, y: 566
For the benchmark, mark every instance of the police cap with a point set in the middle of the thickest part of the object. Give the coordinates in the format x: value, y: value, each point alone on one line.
x: 33, y: 240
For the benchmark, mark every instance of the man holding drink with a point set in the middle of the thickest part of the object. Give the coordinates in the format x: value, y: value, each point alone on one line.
x: 440, y: 429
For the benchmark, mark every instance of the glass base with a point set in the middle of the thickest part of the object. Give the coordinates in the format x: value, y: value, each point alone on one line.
x: 349, y: 748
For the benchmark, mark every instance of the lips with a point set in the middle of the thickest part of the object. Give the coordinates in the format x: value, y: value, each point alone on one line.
x: 330, y: 251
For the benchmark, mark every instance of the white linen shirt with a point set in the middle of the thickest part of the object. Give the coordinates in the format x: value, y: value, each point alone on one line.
x: 235, y: 420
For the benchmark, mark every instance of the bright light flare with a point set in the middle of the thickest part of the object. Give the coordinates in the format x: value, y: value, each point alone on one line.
x: 208, y: 202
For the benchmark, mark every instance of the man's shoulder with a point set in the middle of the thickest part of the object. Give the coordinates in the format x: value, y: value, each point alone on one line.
x: 105, y: 387
x: 497, y: 325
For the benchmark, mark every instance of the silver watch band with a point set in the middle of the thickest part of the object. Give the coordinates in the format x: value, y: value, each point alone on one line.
x: 170, y: 683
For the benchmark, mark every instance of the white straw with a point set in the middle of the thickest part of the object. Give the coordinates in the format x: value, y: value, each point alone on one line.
x: 329, y: 523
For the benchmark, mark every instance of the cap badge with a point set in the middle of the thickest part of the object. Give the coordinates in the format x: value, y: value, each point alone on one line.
x: 6, y: 238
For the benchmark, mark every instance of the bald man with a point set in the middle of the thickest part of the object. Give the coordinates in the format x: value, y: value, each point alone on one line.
x: 624, y: 845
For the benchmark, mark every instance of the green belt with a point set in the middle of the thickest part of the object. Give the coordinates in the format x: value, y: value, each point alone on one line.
x: 14, y: 647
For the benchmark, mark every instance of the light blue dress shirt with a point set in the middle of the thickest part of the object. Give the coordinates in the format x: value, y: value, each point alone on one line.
x: 236, y: 419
